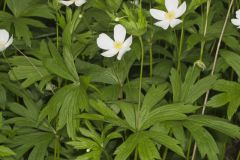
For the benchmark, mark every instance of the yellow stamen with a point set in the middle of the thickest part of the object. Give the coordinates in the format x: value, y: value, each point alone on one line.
x: 170, y: 15
x: 118, y: 45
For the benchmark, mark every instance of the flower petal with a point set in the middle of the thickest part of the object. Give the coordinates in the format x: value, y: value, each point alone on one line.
x: 238, y: 14
x: 119, y: 33
x: 157, y: 14
x: 110, y: 53
x: 236, y: 22
x: 66, y: 3
x: 4, y: 36
x: 80, y: 2
x: 163, y: 24
x: 181, y: 10
x: 10, y: 41
x: 126, y: 47
x: 2, y: 48
x: 175, y: 22
x: 171, y: 5
x: 104, y: 42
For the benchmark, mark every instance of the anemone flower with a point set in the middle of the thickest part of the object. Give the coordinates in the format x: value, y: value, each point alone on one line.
x: 169, y: 18
x: 119, y: 46
x: 70, y: 2
x: 236, y: 21
x: 5, y: 41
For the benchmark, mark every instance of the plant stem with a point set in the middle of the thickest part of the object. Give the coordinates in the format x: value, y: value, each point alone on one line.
x: 213, y: 69
x: 140, y: 83
x: 165, y: 154
x: 180, y: 50
x: 189, y: 148
x: 135, y: 155
x: 205, y: 30
x: 4, y: 5
x: 151, y: 60
x: 238, y: 156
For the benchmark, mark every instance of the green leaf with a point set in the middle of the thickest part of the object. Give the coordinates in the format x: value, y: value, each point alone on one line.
x: 147, y: 149
x: 218, y: 124
x: 5, y: 152
x: 205, y: 142
x: 195, y: 4
x: 232, y: 59
x: 127, y: 147
x: 230, y: 90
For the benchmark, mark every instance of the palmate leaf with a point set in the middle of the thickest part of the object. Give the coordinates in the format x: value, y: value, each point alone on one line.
x: 229, y: 95
x: 30, y: 72
x: 5, y: 151
x: 190, y: 90
x: 94, y: 142
x: 67, y: 102
x: 139, y: 140
x: 205, y: 142
x: 29, y: 136
x: 20, y: 18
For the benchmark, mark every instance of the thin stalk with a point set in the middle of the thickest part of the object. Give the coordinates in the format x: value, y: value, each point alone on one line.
x: 189, y: 148
x: 213, y: 68
x: 151, y: 60
x: 135, y: 155
x: 140, y: 83
x: 34, y: 66
x: 57, y: 28
x: 205, y: 30
x: 165, y: 154
x: 4, y: 5
x: 180, y: 50
x: 238, y: 156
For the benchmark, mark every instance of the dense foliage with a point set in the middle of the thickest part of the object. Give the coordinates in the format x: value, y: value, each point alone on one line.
x: 172, y: 92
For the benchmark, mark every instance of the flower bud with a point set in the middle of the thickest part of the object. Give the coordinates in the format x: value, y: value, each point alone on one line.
x: 200, y: 64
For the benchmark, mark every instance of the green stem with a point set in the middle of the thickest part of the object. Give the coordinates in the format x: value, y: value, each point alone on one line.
x: 165, y: 154
x: 135, y: 155
x: 238, y: 157
x: 205, y: 30
x: 180, y: 50
x: 140, y: 83
x: 189, y: 148
x: 4, y: 5
x: 151, y: 60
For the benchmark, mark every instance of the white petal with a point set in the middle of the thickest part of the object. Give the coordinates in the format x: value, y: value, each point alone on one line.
x: 80, y: 2
x: 171, y: 5
x: 181, y: 10
x: 238, y: 14
x: 236, y: 22
x: 163, y: 24
x: 105, y: 42
x: 10, y: 41
x: 4, y: 36
x: 175, y: 22
x: 126, y: 47
x: 110, y: 53
x: 66, y: 3
x: 2, y: 49
x: 157, y: 14
x: 119, y: 33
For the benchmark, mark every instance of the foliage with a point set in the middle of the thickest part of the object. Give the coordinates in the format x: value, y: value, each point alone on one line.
x: 60, y: 99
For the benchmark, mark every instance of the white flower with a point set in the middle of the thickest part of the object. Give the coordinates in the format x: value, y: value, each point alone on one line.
x: 236, y: 21
x: 70, y: 2
x: 118, y: 45
x: 169, y: 18
x: 88, y: 150
x: 5, y: 41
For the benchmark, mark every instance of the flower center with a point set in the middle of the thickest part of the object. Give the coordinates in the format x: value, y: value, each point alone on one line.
x: 170, y: 15
x: 118, y: 45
